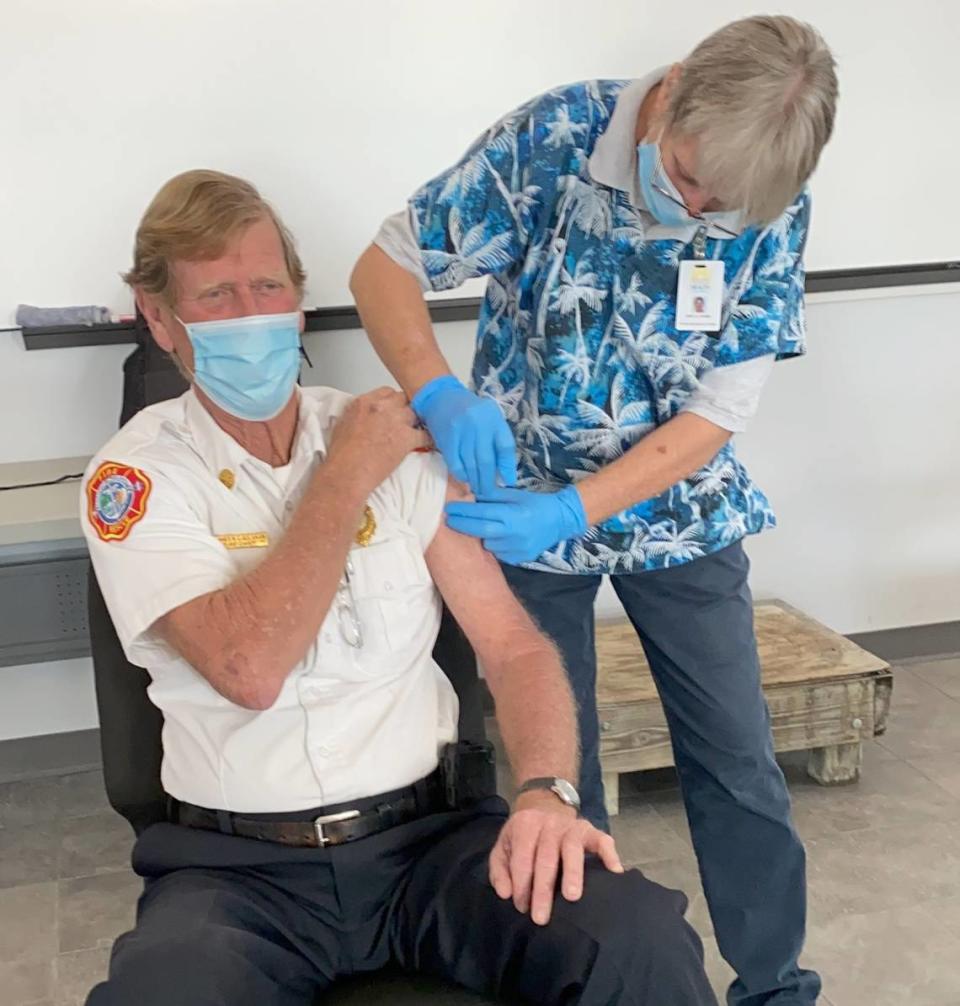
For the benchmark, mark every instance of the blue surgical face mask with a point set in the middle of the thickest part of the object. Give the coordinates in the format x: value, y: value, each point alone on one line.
x: 248, y: 366
x: 650, y: 171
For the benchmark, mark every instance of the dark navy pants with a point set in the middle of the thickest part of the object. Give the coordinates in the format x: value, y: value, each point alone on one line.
x: 695, y: 622
x: 228, y: 921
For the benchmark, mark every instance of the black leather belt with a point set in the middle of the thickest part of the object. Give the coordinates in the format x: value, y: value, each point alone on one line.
x: 324, y: 826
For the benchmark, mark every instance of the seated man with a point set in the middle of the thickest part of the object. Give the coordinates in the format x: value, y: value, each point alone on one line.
x: 272, y: 556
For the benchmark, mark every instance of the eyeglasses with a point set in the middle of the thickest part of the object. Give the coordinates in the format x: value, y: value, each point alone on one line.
x: 699, y: 217
x: 347, y: 618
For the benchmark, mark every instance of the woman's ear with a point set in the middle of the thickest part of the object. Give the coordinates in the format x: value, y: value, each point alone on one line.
x: 667, y: 88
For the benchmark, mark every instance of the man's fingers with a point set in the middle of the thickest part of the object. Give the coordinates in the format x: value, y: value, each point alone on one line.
x: 421, y: 441
x: 407, y: 416
x: 572, y: 854
x: 523, y: 844
x: 546, y: 867
x: 604, y: 846
x: 500, y: 869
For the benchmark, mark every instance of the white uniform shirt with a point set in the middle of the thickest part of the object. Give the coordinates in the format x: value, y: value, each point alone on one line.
x: 349, y: 722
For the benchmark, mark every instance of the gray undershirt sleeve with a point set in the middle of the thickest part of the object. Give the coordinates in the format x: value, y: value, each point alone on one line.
x: 729, y: 396
x: 396, y: 237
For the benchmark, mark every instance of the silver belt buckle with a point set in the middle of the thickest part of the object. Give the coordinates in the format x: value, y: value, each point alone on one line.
x: 319, y: 822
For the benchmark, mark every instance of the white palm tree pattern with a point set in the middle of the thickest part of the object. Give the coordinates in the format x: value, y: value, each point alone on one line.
x: 577, y: 338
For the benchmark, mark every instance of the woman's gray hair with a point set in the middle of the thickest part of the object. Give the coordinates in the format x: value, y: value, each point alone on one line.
x: 760, y: 96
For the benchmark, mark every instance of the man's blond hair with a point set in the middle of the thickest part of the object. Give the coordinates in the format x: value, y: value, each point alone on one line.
x: 760, y: 96
x: 192, y: 218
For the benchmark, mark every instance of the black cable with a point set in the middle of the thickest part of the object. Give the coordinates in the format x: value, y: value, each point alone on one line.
x: 37, y: 485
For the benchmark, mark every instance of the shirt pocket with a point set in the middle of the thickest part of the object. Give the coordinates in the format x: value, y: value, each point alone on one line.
x: 393, y: 596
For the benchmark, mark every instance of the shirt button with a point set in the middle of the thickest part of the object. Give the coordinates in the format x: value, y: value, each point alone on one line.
x: 323, y: 752
x: 388, y: 585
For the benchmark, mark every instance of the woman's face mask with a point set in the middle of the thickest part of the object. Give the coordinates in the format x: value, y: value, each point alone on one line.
x: 662, y: 198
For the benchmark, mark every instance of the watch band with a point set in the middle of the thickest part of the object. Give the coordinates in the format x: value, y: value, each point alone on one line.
x: 561, y: 789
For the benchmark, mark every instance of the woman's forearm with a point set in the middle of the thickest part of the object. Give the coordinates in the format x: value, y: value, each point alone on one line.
x: 660, y: 460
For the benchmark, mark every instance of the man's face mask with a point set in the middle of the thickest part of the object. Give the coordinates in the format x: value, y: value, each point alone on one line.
x: 248, y: 366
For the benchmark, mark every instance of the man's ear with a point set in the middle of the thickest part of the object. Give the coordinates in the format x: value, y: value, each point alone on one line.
x: 157, y: 316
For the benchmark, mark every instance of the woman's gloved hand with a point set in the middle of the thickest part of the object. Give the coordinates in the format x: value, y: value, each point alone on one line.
x: 517, y: 525
x: 470, y: 432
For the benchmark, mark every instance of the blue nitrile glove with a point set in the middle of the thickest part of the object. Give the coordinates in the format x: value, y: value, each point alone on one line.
x: 470, y: 432
x: 517, y: 525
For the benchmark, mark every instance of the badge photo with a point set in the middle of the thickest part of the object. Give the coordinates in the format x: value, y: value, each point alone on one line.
x: 116, y: 499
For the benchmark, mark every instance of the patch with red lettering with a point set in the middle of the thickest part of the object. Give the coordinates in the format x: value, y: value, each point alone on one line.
x: 116, y: 499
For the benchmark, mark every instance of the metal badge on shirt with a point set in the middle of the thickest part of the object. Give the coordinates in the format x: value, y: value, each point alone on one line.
x: 367, y: 529
x: 699, y: 295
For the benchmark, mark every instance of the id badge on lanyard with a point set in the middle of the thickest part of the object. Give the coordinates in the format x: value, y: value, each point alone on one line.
x: 699, y: 290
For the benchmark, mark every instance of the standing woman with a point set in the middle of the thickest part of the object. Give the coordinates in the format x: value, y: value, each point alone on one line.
x: 644, y: 242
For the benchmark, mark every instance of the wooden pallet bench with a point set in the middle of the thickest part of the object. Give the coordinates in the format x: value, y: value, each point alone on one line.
x: 825, y: 693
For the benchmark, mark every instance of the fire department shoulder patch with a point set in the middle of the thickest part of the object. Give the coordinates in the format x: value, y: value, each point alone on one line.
x: 116, y: 499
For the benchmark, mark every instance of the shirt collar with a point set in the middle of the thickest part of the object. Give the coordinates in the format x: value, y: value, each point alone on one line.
x: 614, y: 161
x: 220, y: 452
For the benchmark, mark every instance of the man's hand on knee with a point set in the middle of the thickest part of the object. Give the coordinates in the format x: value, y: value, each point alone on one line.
x: 541, y: 839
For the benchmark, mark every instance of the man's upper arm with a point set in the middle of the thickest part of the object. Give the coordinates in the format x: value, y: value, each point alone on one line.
x: 473, y: 586
x: 150, y: 550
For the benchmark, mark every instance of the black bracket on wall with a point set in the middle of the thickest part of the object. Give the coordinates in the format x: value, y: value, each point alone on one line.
x: 329, y: 319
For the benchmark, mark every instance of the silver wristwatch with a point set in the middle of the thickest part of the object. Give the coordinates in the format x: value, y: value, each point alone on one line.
x: 562, y: 789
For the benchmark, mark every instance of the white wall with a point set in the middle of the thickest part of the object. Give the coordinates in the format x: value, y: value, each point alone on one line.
x: 340, y: 110
x: 857, y: 444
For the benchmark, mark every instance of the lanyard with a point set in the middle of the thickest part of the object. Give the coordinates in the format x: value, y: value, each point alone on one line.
x: 700, y: 243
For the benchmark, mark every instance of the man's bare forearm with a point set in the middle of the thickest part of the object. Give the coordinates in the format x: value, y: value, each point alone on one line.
x: 246, y: 637
x: 396, y: 319
x: 661, y: 459
x: 535, y: 711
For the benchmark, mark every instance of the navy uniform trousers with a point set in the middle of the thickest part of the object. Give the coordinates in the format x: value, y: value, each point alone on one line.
x: 695, y: 622
x: 230, y: 921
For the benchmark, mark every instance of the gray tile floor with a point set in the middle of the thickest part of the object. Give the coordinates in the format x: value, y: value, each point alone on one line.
x: 884, y: 865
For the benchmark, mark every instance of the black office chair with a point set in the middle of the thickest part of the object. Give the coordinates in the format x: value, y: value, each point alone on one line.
x: 130, y: 725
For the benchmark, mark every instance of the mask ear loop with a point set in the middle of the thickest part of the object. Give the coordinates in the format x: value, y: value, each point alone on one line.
x: 190, y: 374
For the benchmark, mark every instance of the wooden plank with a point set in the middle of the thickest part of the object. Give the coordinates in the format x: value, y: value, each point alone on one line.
x: 634, y: 736
x: 793, y: 648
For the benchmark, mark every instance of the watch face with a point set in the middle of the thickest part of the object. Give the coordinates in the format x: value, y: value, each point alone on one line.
x: 566, y: 792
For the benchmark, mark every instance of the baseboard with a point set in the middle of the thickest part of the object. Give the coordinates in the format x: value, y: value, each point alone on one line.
x: 79, y: 750
x: 912, y: 642
x: 49, y: 754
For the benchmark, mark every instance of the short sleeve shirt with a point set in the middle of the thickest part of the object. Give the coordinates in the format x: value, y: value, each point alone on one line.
x: 578, y: 341
x: 173, y: 508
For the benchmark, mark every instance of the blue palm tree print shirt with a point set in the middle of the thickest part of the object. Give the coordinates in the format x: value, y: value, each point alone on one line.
x: 577, y: 339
